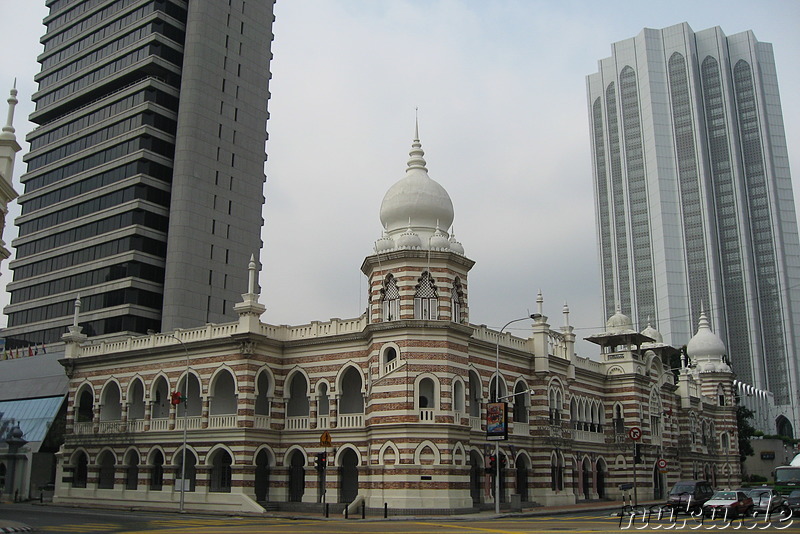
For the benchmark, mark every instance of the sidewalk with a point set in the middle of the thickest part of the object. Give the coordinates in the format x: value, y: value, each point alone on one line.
x: 593, y: 506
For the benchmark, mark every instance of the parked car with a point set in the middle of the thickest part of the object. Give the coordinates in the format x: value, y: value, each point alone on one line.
x: 728, y: 504
x: 689, y: 495
x: 767, y: 500
x: 793, y: 501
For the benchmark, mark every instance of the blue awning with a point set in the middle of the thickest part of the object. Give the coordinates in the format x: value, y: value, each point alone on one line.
x: 33, y: 416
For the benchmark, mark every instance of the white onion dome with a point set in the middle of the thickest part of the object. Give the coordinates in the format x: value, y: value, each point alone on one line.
x: 619, y: 323
x: 439, y: 241
x: 455, y: 246
x: 705, y: 344
x: 384, y: 244
x: 409, y: 239
x: 416, y: 198
x: 653, y: 333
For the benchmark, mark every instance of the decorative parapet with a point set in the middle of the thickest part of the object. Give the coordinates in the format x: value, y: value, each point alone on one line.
x: 484, y: 333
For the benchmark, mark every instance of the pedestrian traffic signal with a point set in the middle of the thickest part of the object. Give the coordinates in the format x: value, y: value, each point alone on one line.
x: 322, y: 461
x: 176, y: 398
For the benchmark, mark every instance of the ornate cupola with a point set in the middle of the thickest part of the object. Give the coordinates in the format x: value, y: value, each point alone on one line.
x: 418, y: 270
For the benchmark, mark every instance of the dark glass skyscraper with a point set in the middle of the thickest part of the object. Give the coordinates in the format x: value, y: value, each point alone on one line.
x: 694, y: 197
x: 144, y: 186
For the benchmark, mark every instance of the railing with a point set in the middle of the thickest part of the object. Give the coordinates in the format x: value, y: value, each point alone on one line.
x: 591, y: 437
x: 261, y: 421
x: 227, y: 420
x: 351, y: 420
x: 426, y: 414
x: 161, y: 423
x: 297, y: 423
x: 484, y: 333
x: 82, y: 428
x: 475, y: 423
x: 110, y: 427
x: 457, y: 417
x: 195, y: 422
x: 521, y: 429
x: 136, y: 425
x: 392, y: 365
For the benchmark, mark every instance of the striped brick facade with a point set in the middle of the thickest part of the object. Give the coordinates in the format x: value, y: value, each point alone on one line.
x: 403, y: 400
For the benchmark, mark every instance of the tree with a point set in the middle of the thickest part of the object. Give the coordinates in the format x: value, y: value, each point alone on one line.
x: 745, y: 430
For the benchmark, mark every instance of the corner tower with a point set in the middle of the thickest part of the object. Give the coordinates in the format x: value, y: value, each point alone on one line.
x: 419, y: 270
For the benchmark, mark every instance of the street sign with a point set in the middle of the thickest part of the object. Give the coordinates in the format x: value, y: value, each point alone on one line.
x: 325, y: 439
x: 635, y: 433
x: 662, y: 465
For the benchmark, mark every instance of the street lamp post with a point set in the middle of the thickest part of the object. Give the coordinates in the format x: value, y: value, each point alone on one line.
x: 497, y: 399
x: 185, y: 421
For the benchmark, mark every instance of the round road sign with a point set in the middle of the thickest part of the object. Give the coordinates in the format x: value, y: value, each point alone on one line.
x: 662, y: 463
x: 635, y: 433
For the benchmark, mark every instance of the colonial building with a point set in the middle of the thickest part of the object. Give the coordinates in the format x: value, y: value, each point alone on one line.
x: 392, y: 402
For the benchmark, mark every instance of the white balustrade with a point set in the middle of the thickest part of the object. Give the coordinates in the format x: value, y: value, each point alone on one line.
x: 323, y: 421
x: 586, y: 435
x: 136, y: 425
x: 194, y: 422
x: 475, y: 423
x: 392, y: 365
x: 261, y: 421
x: 297, y: 423
x: 222, y: 421
x: 521, y: 429
x: 426, y: 415
x: 160, y: 423
x: 82, y: 428
x: 351, y: 420
x: 110, y: 427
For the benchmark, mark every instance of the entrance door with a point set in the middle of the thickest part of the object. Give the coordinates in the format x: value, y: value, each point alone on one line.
x: 348, y: 476
x: 658, y: 484
x: 262, y: 477
x: 587, y: 479
x: 297, y: 477
x: 522, y: 478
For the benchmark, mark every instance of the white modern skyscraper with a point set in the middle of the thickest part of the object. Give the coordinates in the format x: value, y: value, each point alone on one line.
x: 144, y: 185
x: 694, y: 197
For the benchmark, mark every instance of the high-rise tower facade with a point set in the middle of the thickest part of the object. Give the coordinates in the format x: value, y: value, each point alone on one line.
x: 694, y: 198
x: 144, y: 187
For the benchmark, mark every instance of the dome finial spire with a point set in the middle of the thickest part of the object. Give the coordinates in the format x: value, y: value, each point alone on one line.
x: 416, y: 161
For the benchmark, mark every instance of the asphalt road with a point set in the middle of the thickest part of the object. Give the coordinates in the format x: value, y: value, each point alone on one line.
x: 58, y: 520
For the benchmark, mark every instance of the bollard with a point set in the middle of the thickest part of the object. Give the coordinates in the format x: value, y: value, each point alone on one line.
x: 326, y: 509
x: 385, y: 510
x: 346, y: 511
x: 363, y: 509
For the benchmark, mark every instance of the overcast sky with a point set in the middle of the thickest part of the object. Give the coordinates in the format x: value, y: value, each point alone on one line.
x: 500, y: 87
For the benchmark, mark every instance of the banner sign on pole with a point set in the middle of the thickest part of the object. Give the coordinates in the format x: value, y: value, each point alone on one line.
x: 497, y: 421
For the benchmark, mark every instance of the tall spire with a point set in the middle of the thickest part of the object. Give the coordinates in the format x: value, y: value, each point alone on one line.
x: 416, y: 161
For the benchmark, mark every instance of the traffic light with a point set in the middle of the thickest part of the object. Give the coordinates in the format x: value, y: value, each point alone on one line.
x: 637, y: 453
x: 503, y: 462
x: 322, y: 461
x: 176, y: 398
x: 492, y: 464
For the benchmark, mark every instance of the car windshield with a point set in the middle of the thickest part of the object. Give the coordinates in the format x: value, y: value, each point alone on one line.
x: 682, y: 488
x: 725, y: 495
x: 795, y: 493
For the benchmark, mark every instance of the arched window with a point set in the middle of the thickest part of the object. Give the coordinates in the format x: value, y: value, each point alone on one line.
x: 619, y: 419
x: 160, y: 399
x: 136, y: 401
x: 475, y: 394
x: 193, y: 403
x: 457, y: 302
x: 556, y: 471
x: 157, y: 471
x: 81, y: 470
x: 221, y: 471
x: 85, y: 412
x: 389, y: 358
x: 106, y: 462
x: 191, y: 470
x: 720, y: 395
x: 111, y: 405
x: 351, y: 399
x: 520, y: 402
x: 390, y: 299
x: 493, y: 388
x: 573, y: 413
x: 132, y: 470
x: 427, y: 399
x: 555, y: 402
x: 298, y: 396
x: 323, y: 401
x: 656, y: 410
x: 426, y: 303
x: 458, y: 397
x: 724, y: 441
x: 223, y: 394
x: 262, y: 393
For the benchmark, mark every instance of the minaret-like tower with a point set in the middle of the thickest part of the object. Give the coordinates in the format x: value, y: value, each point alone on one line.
x: 8, y: 151
x: 419, y: 270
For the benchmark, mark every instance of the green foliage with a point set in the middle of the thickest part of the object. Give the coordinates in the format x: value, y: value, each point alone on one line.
x: 786, y: 439
x: 746, y: 431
